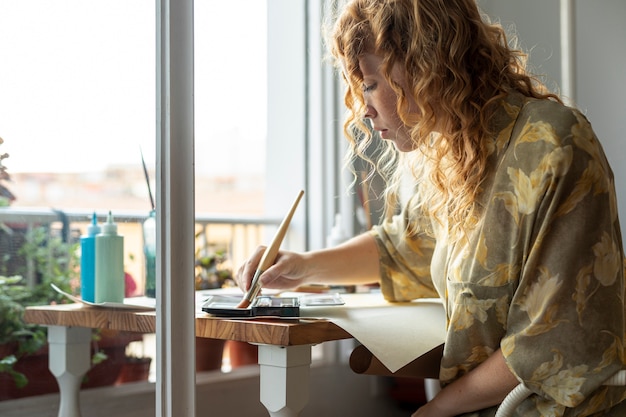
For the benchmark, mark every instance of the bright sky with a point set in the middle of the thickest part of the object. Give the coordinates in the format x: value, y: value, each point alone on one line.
x: 77, y: 84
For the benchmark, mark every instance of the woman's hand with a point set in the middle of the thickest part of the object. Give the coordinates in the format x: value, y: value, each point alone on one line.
x: 287, y: 271
x: 351, y: 263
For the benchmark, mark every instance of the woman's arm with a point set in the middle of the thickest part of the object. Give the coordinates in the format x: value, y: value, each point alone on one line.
x: 485, y: 386
x: 353, y: 262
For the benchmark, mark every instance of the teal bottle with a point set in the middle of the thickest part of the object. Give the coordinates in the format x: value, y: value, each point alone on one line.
x: 109, y: 264
x: 88, y: 261
x: 149, y: 251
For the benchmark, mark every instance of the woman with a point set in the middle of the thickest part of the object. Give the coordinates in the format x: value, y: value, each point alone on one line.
x: 512, y: 222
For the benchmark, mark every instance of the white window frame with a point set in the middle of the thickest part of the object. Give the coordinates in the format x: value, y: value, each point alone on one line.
x: 304, y: 130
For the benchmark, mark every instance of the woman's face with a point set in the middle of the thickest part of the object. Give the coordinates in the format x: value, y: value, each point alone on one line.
x: 381, y: 101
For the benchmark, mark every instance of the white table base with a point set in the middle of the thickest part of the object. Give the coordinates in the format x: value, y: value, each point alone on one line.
x: 285, y: 379
x: 69, y: 361
x: 284, y: 372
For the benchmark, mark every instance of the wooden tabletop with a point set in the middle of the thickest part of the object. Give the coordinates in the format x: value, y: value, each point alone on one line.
x: 281, y: 332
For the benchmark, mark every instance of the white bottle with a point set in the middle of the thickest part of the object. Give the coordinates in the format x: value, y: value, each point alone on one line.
x: 109, y: 264
x: 337, y: 235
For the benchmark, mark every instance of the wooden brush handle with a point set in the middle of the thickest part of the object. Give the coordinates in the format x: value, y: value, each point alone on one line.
x: 269, y: 256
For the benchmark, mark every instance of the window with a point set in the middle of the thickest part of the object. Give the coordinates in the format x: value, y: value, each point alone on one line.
x: 77, y: 106
x: 77, y: 102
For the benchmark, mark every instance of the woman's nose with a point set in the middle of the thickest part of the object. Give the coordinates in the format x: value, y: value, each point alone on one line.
x: 370, y: 112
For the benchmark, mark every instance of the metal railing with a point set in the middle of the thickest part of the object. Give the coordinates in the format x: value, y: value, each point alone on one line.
x: 238, y: 235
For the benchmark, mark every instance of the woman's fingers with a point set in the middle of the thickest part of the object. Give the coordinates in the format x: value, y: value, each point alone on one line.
x: 247, y: 269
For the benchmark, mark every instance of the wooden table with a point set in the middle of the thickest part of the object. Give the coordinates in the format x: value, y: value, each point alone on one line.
x: 284, y: 348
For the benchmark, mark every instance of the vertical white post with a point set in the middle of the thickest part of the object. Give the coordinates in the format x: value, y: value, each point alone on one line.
x: 568, y: 52
x: 175, y: 390
x: 69, y: 360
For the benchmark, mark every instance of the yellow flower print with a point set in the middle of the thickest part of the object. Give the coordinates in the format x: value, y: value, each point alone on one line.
x: 500, y: 275
x: 479, y: 354
x: 503, y: 138
x: 465, y: 313
x: 549, y: 408
x: 594, y: 178
x: 539, y: 131
x: 608, y: 260
x: 528, y: 189
x: 547, y: 369
x: 583, y: 279
x: 481, y: 252
x: 505, y: 134
x: 507, y: 346
x: 448, y: 373
x: 557, y: 162
x: 539, y: 294
x: 420, y: 245
x: 612, y: 354
x: 565, y: 386
x: 561, y: 384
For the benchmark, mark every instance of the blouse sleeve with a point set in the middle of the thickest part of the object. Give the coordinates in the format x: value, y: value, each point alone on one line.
x: 405, y: 260
x: 565, y: 325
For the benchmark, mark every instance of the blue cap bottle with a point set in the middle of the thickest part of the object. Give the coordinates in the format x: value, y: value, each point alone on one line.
x: 88, y: 261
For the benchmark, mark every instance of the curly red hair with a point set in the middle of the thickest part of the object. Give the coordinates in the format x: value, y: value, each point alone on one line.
x: 458, y: 66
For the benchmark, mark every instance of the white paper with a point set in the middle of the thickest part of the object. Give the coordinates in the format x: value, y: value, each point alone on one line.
x: 396, y: 333
x: 144, y: 304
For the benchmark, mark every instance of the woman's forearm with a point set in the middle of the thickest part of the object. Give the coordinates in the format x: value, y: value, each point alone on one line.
x: 355, y: 261
x: 483, y: 387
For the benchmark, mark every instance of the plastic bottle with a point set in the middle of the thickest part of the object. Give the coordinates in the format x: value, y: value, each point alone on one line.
x: 149, y: 251
x: 88, y: 260
x: 337, y: 234
x: 109, y: 264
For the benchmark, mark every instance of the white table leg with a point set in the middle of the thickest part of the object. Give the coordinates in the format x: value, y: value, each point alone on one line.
x: 284, y: 378
x: 69, y: 361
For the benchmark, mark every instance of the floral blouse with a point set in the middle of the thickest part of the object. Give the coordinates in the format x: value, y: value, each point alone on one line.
x: 541, y: 276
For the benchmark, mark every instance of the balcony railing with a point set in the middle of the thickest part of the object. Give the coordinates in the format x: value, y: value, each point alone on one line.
x: 239, y: 235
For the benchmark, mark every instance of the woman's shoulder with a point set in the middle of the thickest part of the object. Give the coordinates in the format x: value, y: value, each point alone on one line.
x: 561, y: 118
x: 548, y: 130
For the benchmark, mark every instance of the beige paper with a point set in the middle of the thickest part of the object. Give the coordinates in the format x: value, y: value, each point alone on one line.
x: 396, y: 333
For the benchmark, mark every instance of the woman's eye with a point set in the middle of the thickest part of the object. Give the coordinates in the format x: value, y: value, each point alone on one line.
x: 368, y: 88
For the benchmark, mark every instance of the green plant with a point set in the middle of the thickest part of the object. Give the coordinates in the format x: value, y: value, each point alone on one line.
x: 55, y: 262
x: 212, y: 269
x: 6, y: 197
x: 13, y: 329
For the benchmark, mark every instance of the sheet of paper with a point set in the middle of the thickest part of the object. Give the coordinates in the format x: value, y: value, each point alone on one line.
x: 396, y: 333
x: 134, y: 304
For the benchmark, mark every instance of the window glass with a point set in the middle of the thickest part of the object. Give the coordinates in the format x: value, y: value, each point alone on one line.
x: 77, y: 102
x: 77, y: 107
x: 230, y: 105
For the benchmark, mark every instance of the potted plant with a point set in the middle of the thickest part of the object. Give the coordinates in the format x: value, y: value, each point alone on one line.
x: 23, y: 347
x: 212, y: 269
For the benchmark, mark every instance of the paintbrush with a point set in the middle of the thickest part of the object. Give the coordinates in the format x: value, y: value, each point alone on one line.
x: 145, y: 173
x: 269, y: 256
